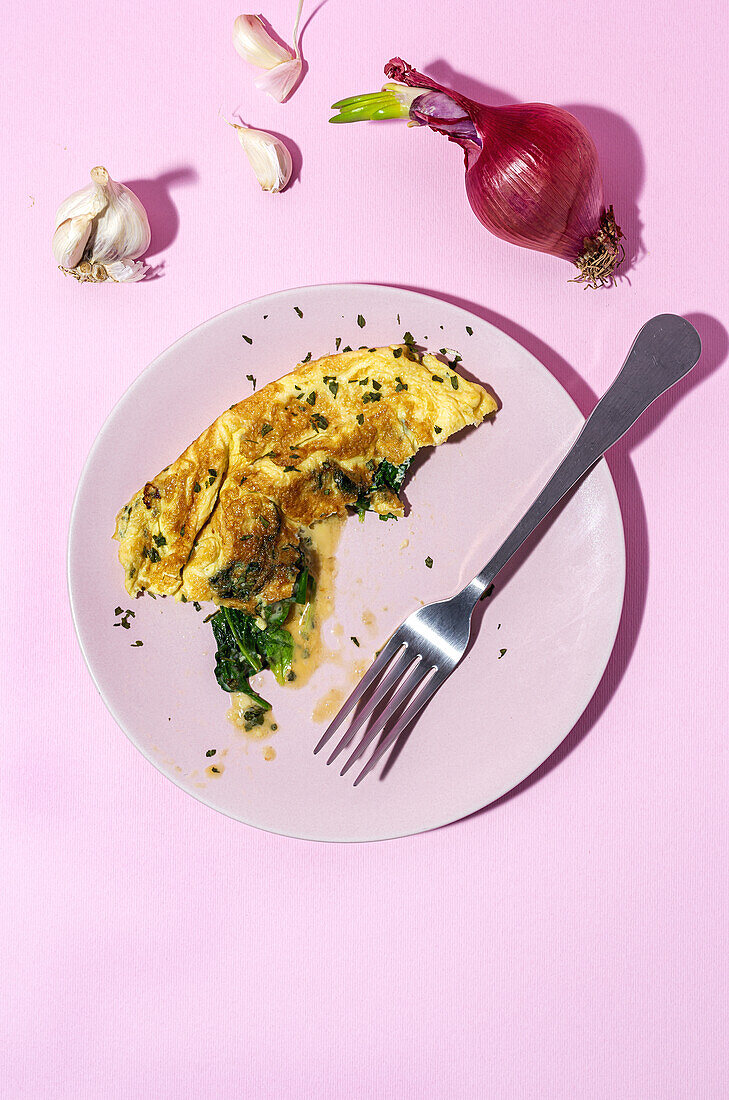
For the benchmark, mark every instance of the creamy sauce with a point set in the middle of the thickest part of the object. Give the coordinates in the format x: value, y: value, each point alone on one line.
x: 368, y: 618
x: 240, y: 703
x: 269, y: 753
x: 214, y: 770
x: 328, y: 705
x: 310, y: 650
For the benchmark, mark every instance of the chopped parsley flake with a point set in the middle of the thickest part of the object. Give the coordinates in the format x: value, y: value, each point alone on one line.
x: 248, y: 339
x: 371, y: 397
x: 135, y: 644
x: 347, y: 348
x: 182, y: 530
x: 429, y: 562
x: 501, y: 653
x: 266, y: 428
x: 364, y: 381
x: 400, y: 384
x: 334, y: 387
x: 152, y: 554
x: 454, y: 381
x: 360, y: 418
x: 361, y: 321
x: 338, y: 343
x: 436, y: 378
x: 469, y: 330
x: 159, y: 540
x: 437, y: 429
x: 355, y: 640
x: 196, y: 487
x: 251, y: 379
x: 376, y: 385
x: 307, y: 357
x: 213, y: 473
x: 264, y: 522
x: 291, y: 469
x: 297, y: 310
x: 319, y: 421
x: 397, y: 352
x: 311, y: 399
x: 196, y: 605
x: 211, y: 752
x: 408, y: 338
x: 398, y: 319
x: 214, y: 769
x: 118, y: 610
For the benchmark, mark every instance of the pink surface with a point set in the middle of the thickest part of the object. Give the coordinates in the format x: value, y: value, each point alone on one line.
x: 568, y: 942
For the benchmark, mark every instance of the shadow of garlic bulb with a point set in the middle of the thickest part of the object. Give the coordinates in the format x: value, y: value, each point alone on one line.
x: 101, y: 231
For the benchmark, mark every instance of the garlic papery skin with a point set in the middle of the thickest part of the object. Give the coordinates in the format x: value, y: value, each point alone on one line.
x: 269, y: 157
x: 101, y: 231
x: 256, y: 46
x: 281, y: 81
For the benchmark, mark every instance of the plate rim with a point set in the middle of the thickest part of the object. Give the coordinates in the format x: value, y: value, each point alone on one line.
x: 609, y: 484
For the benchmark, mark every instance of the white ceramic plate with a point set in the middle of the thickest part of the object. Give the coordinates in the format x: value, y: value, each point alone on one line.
x: 500, y: 714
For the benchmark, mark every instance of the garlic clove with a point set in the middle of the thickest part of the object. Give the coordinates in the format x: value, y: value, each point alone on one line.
x: 269, y: 157
x: 280, y: 81
x: 71, y: 238
x: 255, y: 45
x: 123, y: 232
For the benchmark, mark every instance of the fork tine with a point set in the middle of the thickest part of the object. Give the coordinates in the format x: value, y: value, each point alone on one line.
x: 385, y: 656
x: 405, y: 719
x: 393, y: 674
x: 412, y: 679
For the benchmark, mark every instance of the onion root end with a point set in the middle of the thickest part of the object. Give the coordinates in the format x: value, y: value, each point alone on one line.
x: 602, y: 254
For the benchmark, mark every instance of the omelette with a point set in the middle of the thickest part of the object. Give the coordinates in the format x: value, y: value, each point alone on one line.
x: 226, y: 521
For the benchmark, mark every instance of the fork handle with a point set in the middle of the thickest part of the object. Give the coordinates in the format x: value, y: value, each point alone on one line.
x: 665, y: 349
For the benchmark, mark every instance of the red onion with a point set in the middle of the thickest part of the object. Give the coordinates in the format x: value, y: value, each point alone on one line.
x: 532, y: 173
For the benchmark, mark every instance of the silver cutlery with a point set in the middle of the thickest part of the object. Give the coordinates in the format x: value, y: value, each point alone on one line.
x: 427, y: 647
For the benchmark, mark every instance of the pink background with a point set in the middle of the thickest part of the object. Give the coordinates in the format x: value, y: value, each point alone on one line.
x: 571, y: 940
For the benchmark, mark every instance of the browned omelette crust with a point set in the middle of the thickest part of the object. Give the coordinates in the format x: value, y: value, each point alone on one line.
x: 222, y: 523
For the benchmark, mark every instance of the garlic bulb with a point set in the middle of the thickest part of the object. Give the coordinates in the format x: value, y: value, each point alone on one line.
x: 101, y: 231
x: 256, y: 46
x: 269, y: 157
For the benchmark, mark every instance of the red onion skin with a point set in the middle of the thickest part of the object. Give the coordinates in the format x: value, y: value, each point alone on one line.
x: 535, y: 179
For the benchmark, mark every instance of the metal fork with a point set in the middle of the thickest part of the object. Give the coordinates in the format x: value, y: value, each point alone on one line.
x: 426, y: 648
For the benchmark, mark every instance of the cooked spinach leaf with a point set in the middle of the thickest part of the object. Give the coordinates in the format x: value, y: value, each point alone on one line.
x: 245, y: 647
x: 387, y: 476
